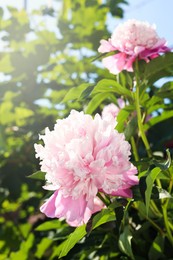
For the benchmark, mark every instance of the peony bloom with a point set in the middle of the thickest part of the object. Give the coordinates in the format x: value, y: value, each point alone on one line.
x: 132, y: 39
x: 81, y: 157
x: 112, y: 110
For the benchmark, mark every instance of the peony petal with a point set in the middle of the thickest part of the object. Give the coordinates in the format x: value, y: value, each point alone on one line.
x: 106, y: 46
x: 126, y: 193
x: 48, y: 208
x: 115, y: 63
x: 75, y: 211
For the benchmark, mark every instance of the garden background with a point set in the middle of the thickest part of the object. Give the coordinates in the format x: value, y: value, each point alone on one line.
x: 44, y: 53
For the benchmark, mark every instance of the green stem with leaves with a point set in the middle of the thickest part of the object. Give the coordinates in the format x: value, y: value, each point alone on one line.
x: 149, y: 219
x: 164, y: 202
x: 164, y: 205
x: 139, y: 116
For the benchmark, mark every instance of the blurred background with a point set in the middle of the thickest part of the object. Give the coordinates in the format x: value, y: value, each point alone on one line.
x: 46, y: 48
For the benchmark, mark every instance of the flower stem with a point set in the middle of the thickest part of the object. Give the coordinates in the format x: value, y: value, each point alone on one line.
x: 134, y: 149
x: 167, y: 226
x: 138, y: 111
x: 155, y: 209
x: 103, y: 199
x: 149, y: 219
x: 140, y: 124
x: 164, y: 204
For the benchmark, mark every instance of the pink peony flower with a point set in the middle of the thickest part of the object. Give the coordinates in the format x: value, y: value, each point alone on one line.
x: 132, y: 39
x: 81, y: 157
x: 112, y: 110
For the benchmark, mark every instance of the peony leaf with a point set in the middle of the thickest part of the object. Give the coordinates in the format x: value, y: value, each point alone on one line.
x: 149, y: 185
x: 49, y: 225
x: 110, y: 85
x: 153, y: 101
x: 106, y: 215
x: 95, y: 102
x: 125, y: 243
x: 166, y: 91
x: 43, y: 246
x: 73, y: 238
x: 39, y: 175
x: 122, y: 118
x: 104, y: 55
x: 130, y: 129
x: 75, y: 93
x: 25, y: 247
x: 157, y: 248
x: 156, y: 66
x: 155, y: 120
x: 87, y: 91
x: 125, y: 79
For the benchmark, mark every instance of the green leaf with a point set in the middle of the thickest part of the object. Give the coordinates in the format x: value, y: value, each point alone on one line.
x: 106, y: 215
x: 24, y: 249
x: 166, y: 91
x: 149, y: 185
x: 18, y: 255
x: 130, y: 129
x: 125, y: 243
x: 26, y: 245
x: 126, y: 80
x: 155, y: 120
x: 104, y: 55
x: 95, y: 102
x: 43, y: 246
x: 39, y: 175
x: 164, y: 176
x: 25, y: 229
x: 86, y: 92
x: 152, y: 101
x: 73, y: 238
x: 75, y: 93
x: 122, y: 118
x: 157, y: 65
x: 156, y: 107
x: 157, y: 248
x: 49, y: 225
x: 110, y: 85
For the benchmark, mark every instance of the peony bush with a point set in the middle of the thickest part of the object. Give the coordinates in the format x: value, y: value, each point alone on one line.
x: 100, y: 165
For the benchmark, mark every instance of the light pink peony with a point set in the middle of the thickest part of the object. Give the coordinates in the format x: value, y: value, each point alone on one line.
x: 132, y: 39
x: 112, y: 110
x: 81, y: 157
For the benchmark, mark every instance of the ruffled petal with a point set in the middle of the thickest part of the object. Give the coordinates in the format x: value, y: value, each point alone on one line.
x: 75, y: 211
x: 48, y: 208
x: 115, y: 63
x: 106, y: 46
